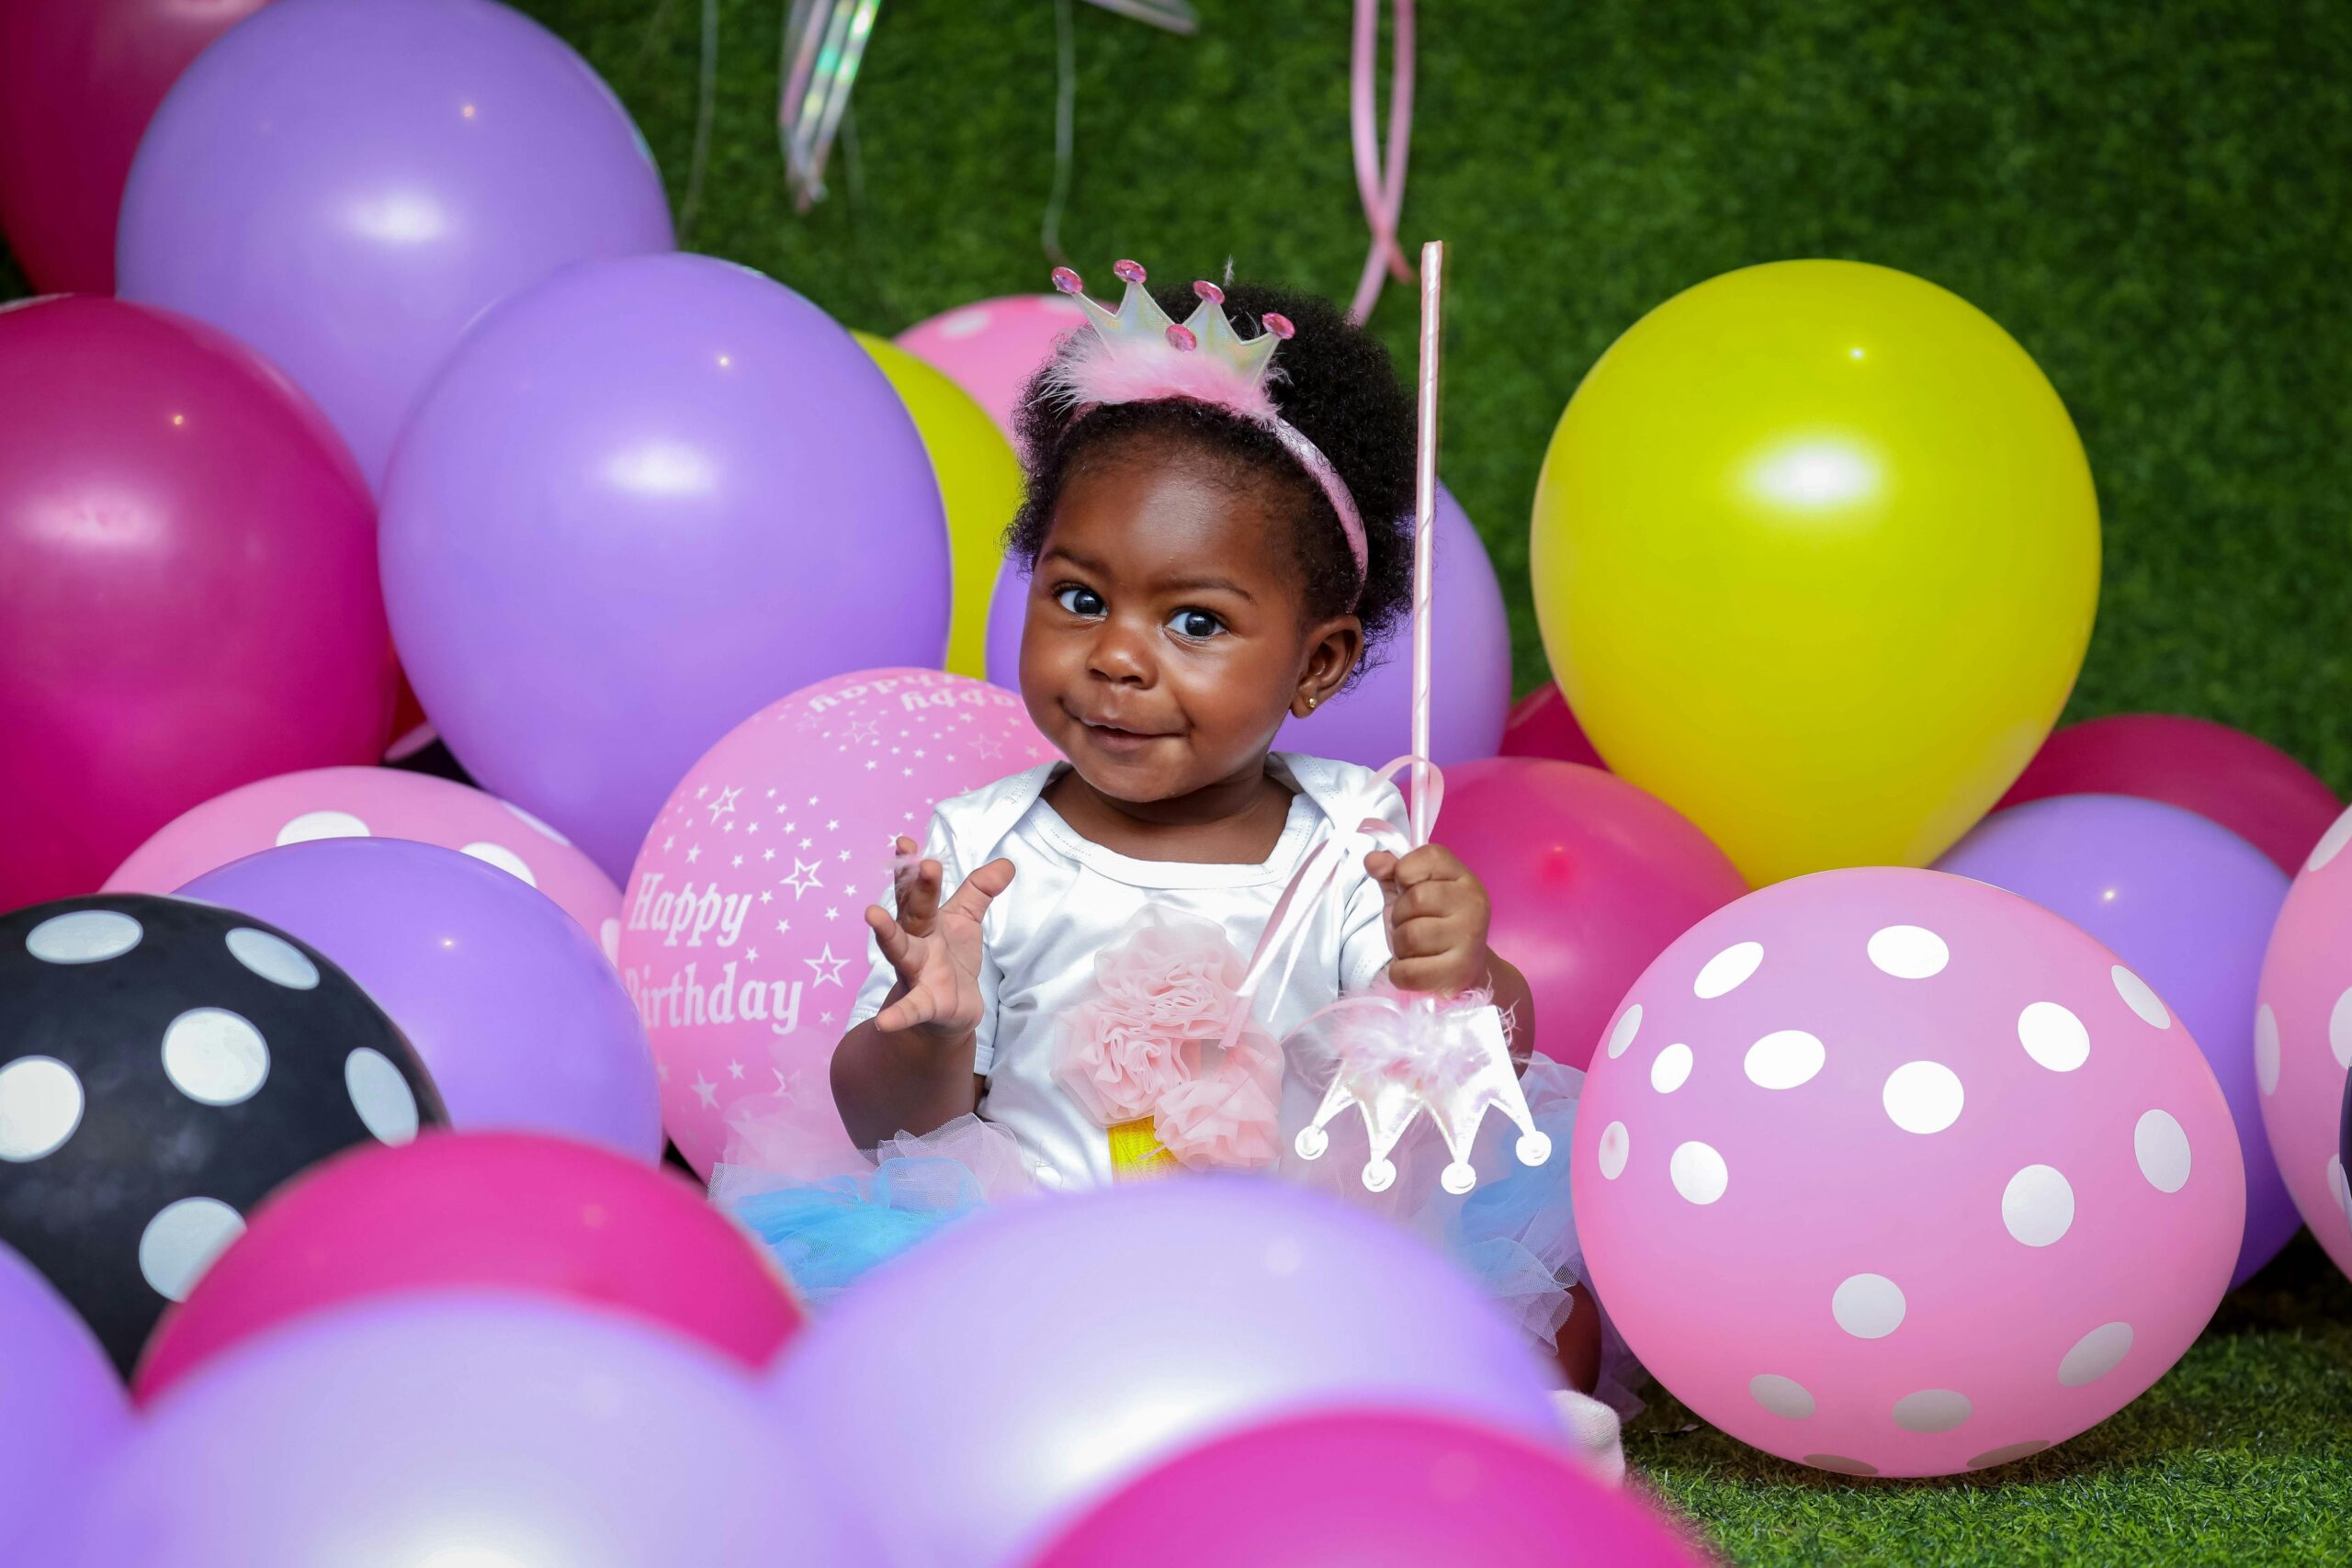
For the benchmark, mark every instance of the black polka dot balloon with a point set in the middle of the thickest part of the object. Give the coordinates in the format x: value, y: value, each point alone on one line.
x: 164, y: 1065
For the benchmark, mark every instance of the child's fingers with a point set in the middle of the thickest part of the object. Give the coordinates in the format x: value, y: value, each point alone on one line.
x: 981, y: 889
x: 1427, y: 937
x: 1380, y: 866
x: 899, y: 949
x: 915, y: 1008
x: 919, y: 899
x: 1430, y: 862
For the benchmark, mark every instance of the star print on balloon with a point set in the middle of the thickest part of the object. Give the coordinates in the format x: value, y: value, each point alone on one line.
x: 164, y: 1064
x: 744, y: 964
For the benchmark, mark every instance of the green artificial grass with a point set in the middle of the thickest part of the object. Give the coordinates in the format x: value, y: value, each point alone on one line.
x: 2153, y: 198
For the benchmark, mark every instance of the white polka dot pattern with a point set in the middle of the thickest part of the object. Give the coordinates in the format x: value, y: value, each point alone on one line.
x: 1698, y: 1173
x: 84, y: 936
x: 1908, y: 953
x: 315, y: 825
x: 2161, y: 1147
x: 1868, y: 1306
x: 1785, y: 1058
x: 215, y: 1057
x: 276, y: 960
x: 1627, y: 1026
x: 501, y: 857
x: 2139, y: 998
x: 2095, y: 1354
x: 41, y: 1104
x: 1923, y: 1097
x: 1671, y: 1070
x: 380, y: 1095
x: 2038, y: 1205
x: 1922, y: 1083
x: 1782, y: 1396
x: 2053, y: 1037
x: 1728, y: 970
x: 180, y: 1243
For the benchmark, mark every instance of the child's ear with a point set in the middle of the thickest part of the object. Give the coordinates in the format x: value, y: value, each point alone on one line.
x: 1332, y: 650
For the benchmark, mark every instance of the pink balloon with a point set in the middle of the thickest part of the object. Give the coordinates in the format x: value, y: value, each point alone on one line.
x: 383, y: 803
x: 1890, y: 1172
x: 1370, y: 1489
x: 991, y: 349
x: 79, y: 80
x: 1591, y: 879
x: 512, y: 1212
x: 188, y: 585
x: 1371, y: 723
x: 2302, y: 1039
x: 2225, y: 776
x: 1541, y: 724
x: 743, y: 936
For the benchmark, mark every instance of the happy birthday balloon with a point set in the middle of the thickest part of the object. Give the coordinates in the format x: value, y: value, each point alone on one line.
x: 744, y: 933
x: 1815, y: 554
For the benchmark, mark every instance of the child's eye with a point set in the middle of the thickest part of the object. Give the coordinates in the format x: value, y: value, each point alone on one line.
x: 1079, y: 600
x: 1198, y: 624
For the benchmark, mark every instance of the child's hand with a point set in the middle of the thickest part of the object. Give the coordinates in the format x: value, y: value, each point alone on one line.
x: 1437, y: 920
x: 936, y: 950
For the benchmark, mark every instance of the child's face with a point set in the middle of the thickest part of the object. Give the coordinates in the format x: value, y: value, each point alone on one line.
x: 1167, y: 635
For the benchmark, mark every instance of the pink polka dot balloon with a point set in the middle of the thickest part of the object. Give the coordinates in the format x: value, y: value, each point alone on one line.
x: 1890, y: 1172
x: 743, y: 937
x: 2302, y: 1039
x: 380, y: 803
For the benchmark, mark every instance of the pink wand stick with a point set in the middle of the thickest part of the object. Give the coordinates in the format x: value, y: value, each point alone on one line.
x: 1425, y: 530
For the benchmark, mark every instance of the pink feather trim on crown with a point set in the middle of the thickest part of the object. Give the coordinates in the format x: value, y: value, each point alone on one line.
x: 1141, y: 371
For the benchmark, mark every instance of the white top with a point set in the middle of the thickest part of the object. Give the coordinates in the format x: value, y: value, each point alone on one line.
x: 1070, y: 897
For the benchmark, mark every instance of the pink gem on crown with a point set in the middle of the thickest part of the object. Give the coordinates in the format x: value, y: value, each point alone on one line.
x: 1205, y: 331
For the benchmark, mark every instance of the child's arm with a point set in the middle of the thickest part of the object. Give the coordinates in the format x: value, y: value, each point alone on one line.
x: 1437, y: 916
x: 909, y: 1067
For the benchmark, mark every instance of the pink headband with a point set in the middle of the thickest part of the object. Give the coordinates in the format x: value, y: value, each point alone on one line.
x: 1137, y: 355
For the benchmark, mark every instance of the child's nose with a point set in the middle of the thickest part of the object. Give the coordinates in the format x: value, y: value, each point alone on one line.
x: 1121, y: 652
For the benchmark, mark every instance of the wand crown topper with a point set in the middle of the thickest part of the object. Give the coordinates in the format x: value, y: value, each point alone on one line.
x: 1139, y: 354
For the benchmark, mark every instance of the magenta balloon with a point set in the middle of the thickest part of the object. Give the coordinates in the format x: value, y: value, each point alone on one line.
x: 1370, y: 1489
x: 1592, y: 878
x: 459, y: 1430
x: 644, y: 501
x: 64, y: 1409
x: 346, y: 184
x: 516, y: 1012
x: 2189, y: 905
x: 1032, y: 1360
x: 188, y: 585
x: 79, y: 80
x: 1372, y: 722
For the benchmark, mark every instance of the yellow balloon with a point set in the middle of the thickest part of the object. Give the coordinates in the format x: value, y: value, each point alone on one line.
x: 1815, y: 556
x: 979, y: 481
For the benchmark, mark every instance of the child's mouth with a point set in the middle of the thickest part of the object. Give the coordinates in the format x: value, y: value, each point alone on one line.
x: 1113, y: 739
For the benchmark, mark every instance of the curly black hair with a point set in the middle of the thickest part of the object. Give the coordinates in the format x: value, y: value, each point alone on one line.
x: 1332, y: 380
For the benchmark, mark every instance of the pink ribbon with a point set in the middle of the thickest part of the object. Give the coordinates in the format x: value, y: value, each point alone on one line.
x: 1382, y: 190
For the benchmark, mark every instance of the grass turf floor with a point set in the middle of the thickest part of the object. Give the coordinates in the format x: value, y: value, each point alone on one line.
x: 2152, y: 196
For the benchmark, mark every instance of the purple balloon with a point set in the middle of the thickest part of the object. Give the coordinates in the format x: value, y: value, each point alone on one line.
x: 460, y: 1429
x: 642, y: 502
x: 1372, y: 723
x: 2188, y: 906
x: 346, y: 183
x: 62, y: 1407
x: 522, y: 1021
x: 1033, y: 1360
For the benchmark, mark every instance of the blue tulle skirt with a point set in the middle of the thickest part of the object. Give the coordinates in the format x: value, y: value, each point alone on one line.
x: 1514, y: 1233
